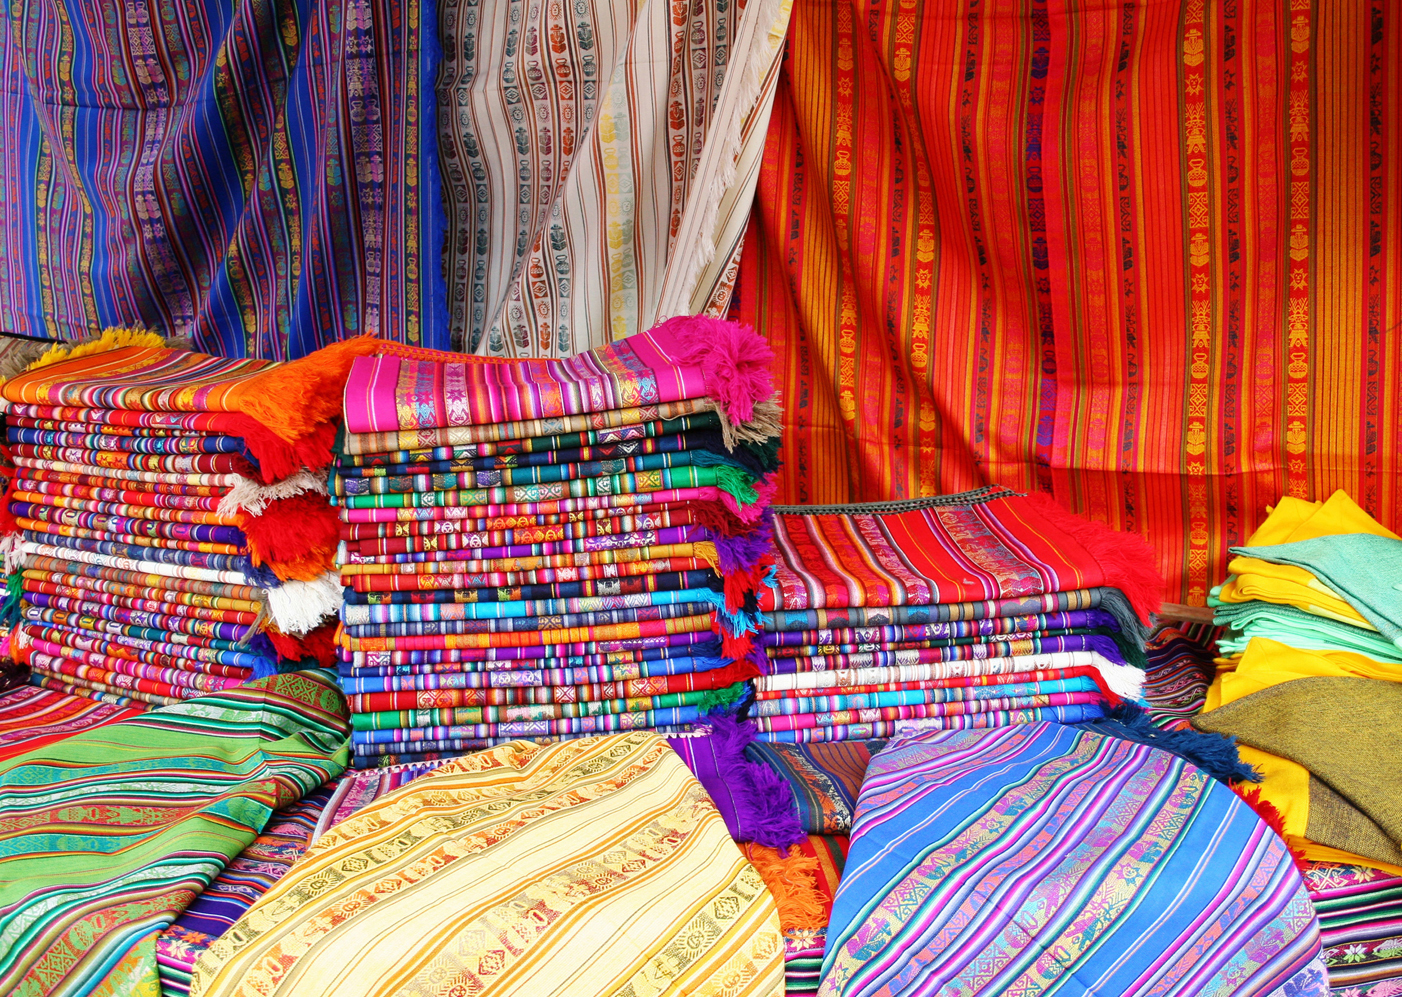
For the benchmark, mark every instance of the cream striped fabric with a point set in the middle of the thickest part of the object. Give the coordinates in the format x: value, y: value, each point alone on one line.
x: 591, y: 866
x: 599, y: 160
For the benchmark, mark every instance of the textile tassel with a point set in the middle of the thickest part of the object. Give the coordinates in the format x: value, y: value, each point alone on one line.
x: 1273, y: 818
x: 734, y: 360
x: 296, y: 537
x: 14, y: 592
x: 735, y: 646
x: 277, y: 458
x: 740, y: 485
x: 293, y: 399
x: 765, y: 452
x: 1215, y: 754
x: 300, y: 606
x: 720, y: 700
x: 1127, y: 558
x: 738, y: 622
x: 250, y: 497
x: 742, y: 551
x: 764, y: 491
x: 768, y: 813
x: 793, y: 879
x: 708, y: 458
x: 315, y: 648
x: 715, y: 517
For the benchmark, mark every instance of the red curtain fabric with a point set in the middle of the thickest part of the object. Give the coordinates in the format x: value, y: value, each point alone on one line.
x: 1146, y: 257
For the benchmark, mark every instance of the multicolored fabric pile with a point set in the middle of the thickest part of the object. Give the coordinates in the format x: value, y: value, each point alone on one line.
x: 552, y: 548
x: 175, y: 539
x: 970, y: 610
x: 110, y: 833
x: 1042, y: 858
x: 589, y: 866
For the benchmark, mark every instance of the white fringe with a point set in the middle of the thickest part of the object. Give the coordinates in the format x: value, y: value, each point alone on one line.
x: 12, y: 548
x: 298, y: 607
x: 251, y: 497
x: 1125, y: 681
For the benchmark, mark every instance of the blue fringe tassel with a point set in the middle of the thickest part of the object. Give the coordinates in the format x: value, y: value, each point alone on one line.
x: 1215, y: 754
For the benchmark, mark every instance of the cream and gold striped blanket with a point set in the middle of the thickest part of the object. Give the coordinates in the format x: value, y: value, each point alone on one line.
x: 591, y: 866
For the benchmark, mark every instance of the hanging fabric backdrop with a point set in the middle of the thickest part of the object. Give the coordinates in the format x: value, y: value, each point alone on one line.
x: 259, y: 175
x: 1146, y: 256
x: 599, y: 159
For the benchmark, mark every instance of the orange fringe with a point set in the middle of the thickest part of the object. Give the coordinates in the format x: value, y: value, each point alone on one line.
x: 294, y: 398
x: 794, y: 883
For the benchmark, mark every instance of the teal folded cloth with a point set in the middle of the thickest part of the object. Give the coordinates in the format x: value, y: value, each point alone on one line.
x: 1365, y: 570
x: 1297, y: 628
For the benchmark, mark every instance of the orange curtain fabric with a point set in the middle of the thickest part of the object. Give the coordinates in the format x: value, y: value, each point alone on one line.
x: 1145, y: 256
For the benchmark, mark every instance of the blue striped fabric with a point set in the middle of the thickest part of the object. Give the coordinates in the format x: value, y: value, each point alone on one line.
x: 1039, y: 859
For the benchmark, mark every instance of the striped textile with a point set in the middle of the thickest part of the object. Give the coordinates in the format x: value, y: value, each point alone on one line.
x: 957, y: 548
x: 1360, y: 919
x: 803, y: 946
x: 112, y: 831
x: 826, y: 778
x: 1176, y: 681
x: 247, y: 877
x: 31, y: 718
x: 1042, y: 859
x: 264, y: 183
x: 594, y: 866
x: 405, y: 389
x: 599, y: 161
x: 1143, y: 256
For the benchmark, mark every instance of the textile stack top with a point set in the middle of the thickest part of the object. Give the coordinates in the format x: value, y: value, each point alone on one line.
x: 176, y: 541
x: 552, y: 548
x: 968, y: 610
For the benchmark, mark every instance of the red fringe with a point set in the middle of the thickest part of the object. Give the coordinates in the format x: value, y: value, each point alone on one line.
x: 739, y: 584
x: 277, y: 458
x: 319, y: 644
x: 296, y: 536
x: 716, y: 517
x: 1127, y: 558
x: 734, y: 647
x: 1269, y: 813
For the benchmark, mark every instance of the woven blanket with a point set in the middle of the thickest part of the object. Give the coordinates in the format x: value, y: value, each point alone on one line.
x: 357, y: 457
x: 247, y: 877
x: 951, y: 550
x: 1360, y: 920
x: 262, y: 187
x: 1039, y: 857
x: 84, y: 904
x: 852, y: 727
x: 622, y: 870
x: 678, y: 360
x: 31, y: 717
x: 201, y: 444
x: 1343, y: 730
x: 682, y: 103
x: 825, y: 778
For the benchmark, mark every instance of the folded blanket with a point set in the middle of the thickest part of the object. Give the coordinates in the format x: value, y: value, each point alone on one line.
x: 803, y: 882
x: 1365, y: 569
x: 1035, y: 858
x: 623, y: 875
x: 953, y: 549
x: 1343, y: 730
x: 1296, y: 627
x: 100, y: 856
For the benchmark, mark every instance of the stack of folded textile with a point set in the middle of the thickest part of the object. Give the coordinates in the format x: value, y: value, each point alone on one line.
x: 552, y: 548
x: 969, y: 610
x: 1311, y: 688
x: 176, y: 542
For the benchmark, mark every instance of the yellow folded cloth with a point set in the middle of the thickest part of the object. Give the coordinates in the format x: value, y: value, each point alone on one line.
x: 1292, y: 520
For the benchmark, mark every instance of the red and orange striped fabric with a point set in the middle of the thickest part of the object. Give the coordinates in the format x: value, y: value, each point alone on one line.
x: 1147, y: 257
